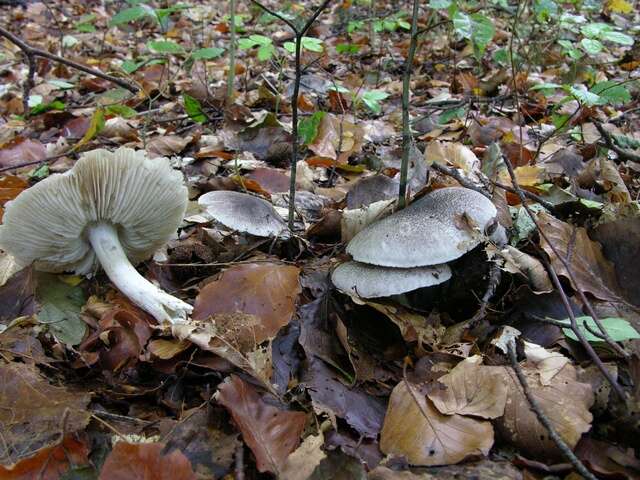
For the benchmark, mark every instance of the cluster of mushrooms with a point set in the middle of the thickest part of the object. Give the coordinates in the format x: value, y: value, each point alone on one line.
x: 115, y: 209
x: 411, y: 248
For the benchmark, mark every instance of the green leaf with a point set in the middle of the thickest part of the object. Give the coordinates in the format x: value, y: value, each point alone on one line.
x: 618, y: 329
x: 39, y: 173
x: 546, y: 86
x: 165, y: 46
x: 354, y: 25
x: 617, y: 37
x: 95, y: 127
x: 61, y: 84
x: 545, y: 9
x: 451, y: 114
x: 477, y: 28
x: 312, y: 44
x: 612, y: 92
x: 462, y: 25
x: 372, y: 99
x: 585, y: 97
x: 265, y: 52
x: 61, y: 305
x: 193, y: 109
x: 439, y: 3
x: 129, y: 15
x: 129, y: 66
x: 350, y: 48
x: 121, y: 111
x: 246, y: 44
x: 308, y: 127
x: 289, y: 47
x: 260, y: 40
x: 46, y: 107
x: 207, y: 53
x: 591, y: 46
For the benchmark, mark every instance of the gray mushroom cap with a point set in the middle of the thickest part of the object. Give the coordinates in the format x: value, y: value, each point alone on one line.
x: 244, y: 213
x: 145, y: 199
x: 438, y: 228
x: 370, y: 281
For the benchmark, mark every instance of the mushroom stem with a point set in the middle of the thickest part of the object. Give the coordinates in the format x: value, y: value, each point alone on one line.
x: 164, y: 307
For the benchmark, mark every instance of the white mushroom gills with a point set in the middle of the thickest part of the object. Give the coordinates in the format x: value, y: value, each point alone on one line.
x: 106, y: 245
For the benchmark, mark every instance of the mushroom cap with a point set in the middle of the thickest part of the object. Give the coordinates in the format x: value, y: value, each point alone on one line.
x: 430, y: 231
x: 370, y: 281
x: 244, y: 213
x: 144, y: 198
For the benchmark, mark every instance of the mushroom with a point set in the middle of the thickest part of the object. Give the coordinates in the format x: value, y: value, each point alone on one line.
x: 410, y: 249
x: 370, y: 281
x: 244, y: 213
x: 111, y: 209
x: 438, y: 228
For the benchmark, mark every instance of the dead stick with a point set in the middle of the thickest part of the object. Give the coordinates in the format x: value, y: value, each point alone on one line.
x: 608, y: 140
x: 32, y: 52
x: 542, y: 418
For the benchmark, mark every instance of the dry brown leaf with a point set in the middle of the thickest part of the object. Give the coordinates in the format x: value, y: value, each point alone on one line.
x: 265, y: 291
x: 565, y: 401
x: 21, y: 150
x: 337, y: 138
x: 50, y: 463
x: 456, y: 154
x: 31, y: 409
x: 271, y: 434
x: 417, y: 431
x: 167, y: 145
x: 592, y: 271
x: 547, y: 362
x: 301, y: 463
x: 471, y: 389
x: 518, y: 262
x: 145, y: 461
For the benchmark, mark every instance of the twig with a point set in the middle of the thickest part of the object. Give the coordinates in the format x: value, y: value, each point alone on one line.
x: 32, y: 52
x: 407, y: 139
x: 35, y: 162
x: 239, y: 462
x: 299, y: 33
x: 608, y: 140
x: 543, y: 419
x: 451, y: 172
x: 528, y: 194
x: 495, y: 274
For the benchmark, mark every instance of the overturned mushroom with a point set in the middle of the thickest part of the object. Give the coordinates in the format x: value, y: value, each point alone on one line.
x: 110, y: 209
x: 410, y: 249
x: 244, y: 213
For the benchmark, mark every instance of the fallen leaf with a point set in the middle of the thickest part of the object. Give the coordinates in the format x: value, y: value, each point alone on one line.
x: 18, y: 295
x: 415, y: 429
x: 471, y: 389
x: 266, y: 291
x: 145, y: 461
x: 10, y: 188
x: 565, y: 402
x: 51, y: 463
x: 60, y: 308
x: 21, y: 150
x: 31, y: 410
x: 303, y: 461
x: 271, y: 434
x: 592, y: 271
x: 167, y: 145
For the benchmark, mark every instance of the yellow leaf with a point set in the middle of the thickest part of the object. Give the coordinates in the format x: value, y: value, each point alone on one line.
x: 96, y: 125
x: 619, y: 6
x: 72, y: 280
x: 527, y: 176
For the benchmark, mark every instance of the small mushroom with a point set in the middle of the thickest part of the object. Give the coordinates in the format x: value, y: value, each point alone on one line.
x: 436, y: 229
x: 110, y: 209
x: 370, y: 281
x: 244, y: 213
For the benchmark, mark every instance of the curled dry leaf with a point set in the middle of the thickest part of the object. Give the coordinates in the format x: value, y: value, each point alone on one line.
x: 518, y: 262
x: 337, y: 138
x: 471, y: 389
x: 143, y: 461
x: 565, y: 401
x: 265, y: 291
x: 415, y: 429
x: 592, y: 271
x: 50, y: 463
x: 31, y: 410
x: 271, y: 434
x: 548, y: 363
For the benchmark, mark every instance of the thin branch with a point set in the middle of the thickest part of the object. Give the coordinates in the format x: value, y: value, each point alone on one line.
x: 608, y: 140
x: 451, y: 172
x: 407, y: 139
x: 299, y: 33
x: 31, y: 52
x: 528, y: 194
x: 543, y: 419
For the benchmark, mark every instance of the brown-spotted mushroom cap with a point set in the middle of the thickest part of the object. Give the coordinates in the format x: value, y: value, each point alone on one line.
x: 370, y: 281
x: 244, y: 213
x: 139, y: 202
x: 436, y: 229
